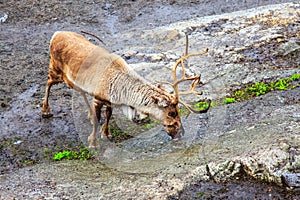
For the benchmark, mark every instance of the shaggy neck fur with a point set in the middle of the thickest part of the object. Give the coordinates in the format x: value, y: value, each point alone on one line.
x: 128, y: 88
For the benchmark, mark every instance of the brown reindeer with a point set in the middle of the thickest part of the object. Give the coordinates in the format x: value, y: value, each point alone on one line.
x: 92, y: 70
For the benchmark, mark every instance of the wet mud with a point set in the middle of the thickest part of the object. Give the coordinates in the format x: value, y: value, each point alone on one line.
x: 234, y: 189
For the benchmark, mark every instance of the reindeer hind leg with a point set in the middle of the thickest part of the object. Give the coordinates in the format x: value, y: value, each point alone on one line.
x: 105, y: 132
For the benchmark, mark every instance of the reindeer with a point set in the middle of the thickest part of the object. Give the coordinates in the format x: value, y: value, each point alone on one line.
x: 92, y: 70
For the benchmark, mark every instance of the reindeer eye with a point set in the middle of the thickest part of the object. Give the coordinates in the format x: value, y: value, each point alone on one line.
x: 172, y: 114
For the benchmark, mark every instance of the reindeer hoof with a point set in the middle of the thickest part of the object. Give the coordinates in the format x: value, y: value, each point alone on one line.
x: 94, y: 147
x: 47, y: 115
x: 93, y: 143
x: 106, y: 138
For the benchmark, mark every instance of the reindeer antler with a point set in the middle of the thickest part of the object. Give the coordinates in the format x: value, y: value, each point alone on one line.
x: 95, y: 36
x: 195, y: 79
x: 195, y: 82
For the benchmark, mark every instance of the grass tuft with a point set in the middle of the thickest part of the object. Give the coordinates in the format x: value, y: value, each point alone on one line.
x: 229, y: 100
x: 82, y: 154
x: 261, y: 88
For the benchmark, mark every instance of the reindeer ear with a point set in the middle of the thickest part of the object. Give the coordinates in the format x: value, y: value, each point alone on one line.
x: 161, y: 102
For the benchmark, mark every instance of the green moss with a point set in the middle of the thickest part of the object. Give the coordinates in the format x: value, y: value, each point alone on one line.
x: 282, y: 84
x: 295, y: 77
x: 229, y: 100
x: 261, y: 88
x: 258, y: 89
x: 239, y: 94
x: 201, y: 105
x: 82, y: 154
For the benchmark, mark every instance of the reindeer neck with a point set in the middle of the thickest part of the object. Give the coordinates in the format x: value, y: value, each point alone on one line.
x: 132, y: 90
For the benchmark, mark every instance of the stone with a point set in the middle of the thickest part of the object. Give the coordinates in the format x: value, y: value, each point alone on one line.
x: 129, y: 54
x: 155, y: 57
x: 171, y: 56
x: 140, y: 55
x: 289, y: 47
x: 291, y: 180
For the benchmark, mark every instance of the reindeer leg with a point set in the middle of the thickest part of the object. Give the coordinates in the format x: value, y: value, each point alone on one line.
x: 45, y: 104
x: 98, y: 106
x: 90, y: 111
x: 105, y: 133
x: 95, y: 118
x: 92, y: 139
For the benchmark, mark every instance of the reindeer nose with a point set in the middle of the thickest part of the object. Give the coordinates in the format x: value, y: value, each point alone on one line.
x: 181, y: 130
x: 180, y: 133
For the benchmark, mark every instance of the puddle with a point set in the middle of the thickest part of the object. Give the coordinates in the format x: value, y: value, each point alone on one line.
x: 20, y: 108
x: 152, y: 147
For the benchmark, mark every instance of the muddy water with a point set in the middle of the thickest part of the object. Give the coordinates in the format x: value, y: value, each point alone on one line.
x: 150, y: 148
x: 143, y: 147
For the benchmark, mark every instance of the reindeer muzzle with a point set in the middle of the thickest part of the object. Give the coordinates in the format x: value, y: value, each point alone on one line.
x: 180, y: 133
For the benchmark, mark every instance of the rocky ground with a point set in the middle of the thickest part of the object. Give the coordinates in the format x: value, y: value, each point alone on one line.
x: 248, y: 149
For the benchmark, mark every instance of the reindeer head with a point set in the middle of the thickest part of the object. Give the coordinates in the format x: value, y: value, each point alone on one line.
x: 168, y: 114
x: 169, y: 102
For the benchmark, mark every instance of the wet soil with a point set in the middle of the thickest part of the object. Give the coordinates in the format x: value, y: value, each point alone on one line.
x: 235, y: 189
x: 27, y: 139
x: 242, y: 187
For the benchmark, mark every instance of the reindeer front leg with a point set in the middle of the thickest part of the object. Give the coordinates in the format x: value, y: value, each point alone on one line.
x: 45, y: 104
x: 90, y: 111
x: 95, y: 116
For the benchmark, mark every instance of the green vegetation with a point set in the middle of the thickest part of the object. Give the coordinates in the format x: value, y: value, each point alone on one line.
x: 200, y: 195
x: 119, y: 135
x: 229, y: 100
x: 129, y: 128
x: 82, y: 154
x: 149, y: 125
x: 295, y: 77
x: 250, y: 91
x: 116, y: 132
x: 261, y: 88
x: 258, y: 89
x: 183, y: 112
x: 202, y: 105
